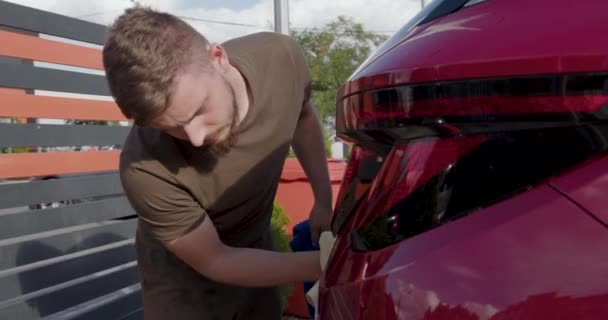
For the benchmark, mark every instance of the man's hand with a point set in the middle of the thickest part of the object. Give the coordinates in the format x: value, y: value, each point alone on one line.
x: 326, y: 244
x: 320, y: 218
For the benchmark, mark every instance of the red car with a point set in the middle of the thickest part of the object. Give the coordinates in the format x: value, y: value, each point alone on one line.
x: 477, y: 187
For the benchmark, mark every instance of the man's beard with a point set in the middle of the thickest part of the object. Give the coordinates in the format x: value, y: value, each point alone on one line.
x: 221, y: 148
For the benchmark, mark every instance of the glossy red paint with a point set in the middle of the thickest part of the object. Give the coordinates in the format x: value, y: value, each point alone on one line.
x: 588, y: 187
x: 493, y: 39
x: 535, y: 256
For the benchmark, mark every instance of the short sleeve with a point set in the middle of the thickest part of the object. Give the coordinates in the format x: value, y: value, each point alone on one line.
x: 301, y: 68
x: 166, y: 210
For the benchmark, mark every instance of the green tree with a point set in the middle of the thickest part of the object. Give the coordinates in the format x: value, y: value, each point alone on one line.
x: 333, y: 53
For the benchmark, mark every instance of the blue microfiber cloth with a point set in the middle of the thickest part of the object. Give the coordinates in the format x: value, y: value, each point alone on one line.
x: 302, y: 241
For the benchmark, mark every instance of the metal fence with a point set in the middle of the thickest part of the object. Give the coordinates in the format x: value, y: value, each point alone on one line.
x: 66, y: 228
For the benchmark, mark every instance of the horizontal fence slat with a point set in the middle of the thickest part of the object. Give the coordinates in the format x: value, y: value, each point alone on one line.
x: 30, y: 77
x: 65, y: 188
x: 37, y: 278
x: 124, y: 306
x: 10, y: 60
x: 22, y: 165
x: 22, y: 17
x: 35, y: 221
x: 113, y: 304
x: 135, y: 315
x: 35, y: 48
x: 19, y: 31
x: 15, y: 103
x: 40, y: 135
x: 17, y: 252
x: 64, y: 298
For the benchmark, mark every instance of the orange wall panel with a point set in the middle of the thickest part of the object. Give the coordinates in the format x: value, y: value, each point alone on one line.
x: 24, y: 165
x: 34, y: 48
x: 15, y: 103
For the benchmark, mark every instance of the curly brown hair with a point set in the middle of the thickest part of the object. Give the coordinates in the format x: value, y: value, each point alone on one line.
x: 143, y: 52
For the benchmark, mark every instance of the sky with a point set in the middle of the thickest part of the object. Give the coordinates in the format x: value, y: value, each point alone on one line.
x: 385, y: 16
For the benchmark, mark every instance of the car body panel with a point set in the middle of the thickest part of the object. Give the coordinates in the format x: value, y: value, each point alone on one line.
x: 535, y: 254
x: 588, y: 187
x: 493, y: 39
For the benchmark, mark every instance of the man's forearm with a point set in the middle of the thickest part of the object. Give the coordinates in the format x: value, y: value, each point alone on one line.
x: 260, y: 268
x: 309, y: 147
x: 203, y: 250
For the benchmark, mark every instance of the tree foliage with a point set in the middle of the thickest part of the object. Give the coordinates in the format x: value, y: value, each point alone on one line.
x: 333, y: 53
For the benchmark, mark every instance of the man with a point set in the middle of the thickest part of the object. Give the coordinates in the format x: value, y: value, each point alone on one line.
x: 213, y: 126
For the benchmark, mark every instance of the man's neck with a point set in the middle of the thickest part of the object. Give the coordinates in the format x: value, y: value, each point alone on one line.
x: 241, y: 91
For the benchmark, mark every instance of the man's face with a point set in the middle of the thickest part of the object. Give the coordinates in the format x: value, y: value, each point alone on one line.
x: 202, y: 110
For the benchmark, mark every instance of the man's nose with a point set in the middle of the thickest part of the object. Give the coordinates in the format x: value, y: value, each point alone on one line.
x: 195, y: 135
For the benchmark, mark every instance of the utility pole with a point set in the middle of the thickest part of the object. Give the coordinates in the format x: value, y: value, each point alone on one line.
x: 281, y: 16
x: 422, y: 4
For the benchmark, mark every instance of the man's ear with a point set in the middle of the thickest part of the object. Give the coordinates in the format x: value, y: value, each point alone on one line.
x: 219, y: 58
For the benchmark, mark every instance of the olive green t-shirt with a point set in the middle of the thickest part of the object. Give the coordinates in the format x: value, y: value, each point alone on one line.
x: 173, y: 186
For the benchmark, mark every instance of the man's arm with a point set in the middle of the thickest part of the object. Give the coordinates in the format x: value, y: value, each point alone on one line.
x: 203, y: 250
x: 309, y: 147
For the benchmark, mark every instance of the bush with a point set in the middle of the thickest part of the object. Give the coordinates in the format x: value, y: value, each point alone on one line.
x: 281, y: 240
x: 279, y: 221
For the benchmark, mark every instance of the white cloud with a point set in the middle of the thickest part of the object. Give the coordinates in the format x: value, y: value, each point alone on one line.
x: 383, y: 15
x: 260, y: 16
